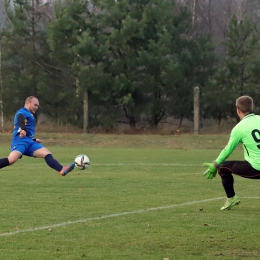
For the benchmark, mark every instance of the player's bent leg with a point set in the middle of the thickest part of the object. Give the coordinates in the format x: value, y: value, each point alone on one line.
x: 14, y: 156
x: 53, y: 163
x: 227, y: 180
x: 226, y: 171
x: 41, y: 152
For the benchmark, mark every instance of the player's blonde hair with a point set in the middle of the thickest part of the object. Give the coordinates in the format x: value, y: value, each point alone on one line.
x: 245, y: 104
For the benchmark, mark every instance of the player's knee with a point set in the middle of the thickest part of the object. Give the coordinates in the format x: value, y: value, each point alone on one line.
x: 48, y: 155
x: 13, y: 157
x: 41, y: 153
x: 223, y: 171
x: 12, y: 160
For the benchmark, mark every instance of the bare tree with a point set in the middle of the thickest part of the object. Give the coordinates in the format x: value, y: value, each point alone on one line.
x: 211, y: 17
x: 249, y: 9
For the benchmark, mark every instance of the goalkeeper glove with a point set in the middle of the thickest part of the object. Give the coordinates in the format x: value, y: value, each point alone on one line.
x: 211, y: 171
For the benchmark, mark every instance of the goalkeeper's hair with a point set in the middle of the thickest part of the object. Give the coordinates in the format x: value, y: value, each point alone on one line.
x: 245, y: 104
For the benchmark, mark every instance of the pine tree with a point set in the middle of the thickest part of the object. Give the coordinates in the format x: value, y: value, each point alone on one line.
x: 76, y: 40
x: 27, y: 68
x: 239, y: 73
x: 155, y: 63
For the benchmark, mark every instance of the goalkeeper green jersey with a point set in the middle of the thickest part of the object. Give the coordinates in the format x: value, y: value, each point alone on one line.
x: 246, y: 132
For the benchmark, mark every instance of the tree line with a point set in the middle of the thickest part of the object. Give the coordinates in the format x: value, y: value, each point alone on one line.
x: 103, y: 62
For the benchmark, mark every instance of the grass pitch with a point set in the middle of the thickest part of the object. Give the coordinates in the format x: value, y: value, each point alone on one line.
x: 143, y: 197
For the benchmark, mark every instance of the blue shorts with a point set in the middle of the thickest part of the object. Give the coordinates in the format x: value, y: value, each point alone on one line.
x: 26, y: 146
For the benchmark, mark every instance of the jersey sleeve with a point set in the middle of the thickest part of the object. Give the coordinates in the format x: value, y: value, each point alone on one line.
x: 21, y: 121
x: 234, y: 140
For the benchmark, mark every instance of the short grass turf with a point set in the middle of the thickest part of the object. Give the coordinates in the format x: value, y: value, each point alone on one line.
x: 143, y: 197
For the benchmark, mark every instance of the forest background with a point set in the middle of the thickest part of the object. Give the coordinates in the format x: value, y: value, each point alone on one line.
x: 106, y: 65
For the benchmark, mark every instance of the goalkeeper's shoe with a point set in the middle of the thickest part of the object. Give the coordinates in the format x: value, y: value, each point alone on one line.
x: 230, y: 202
x: 66, y: 169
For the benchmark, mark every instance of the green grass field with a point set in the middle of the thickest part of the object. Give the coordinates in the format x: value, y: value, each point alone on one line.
x: 143, y: 197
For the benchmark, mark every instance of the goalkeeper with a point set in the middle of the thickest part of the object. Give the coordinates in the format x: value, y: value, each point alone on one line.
x: 247, y: 133
x: 24, y: 142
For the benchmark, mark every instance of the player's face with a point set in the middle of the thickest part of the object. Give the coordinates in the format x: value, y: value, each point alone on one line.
x: 34, y: 105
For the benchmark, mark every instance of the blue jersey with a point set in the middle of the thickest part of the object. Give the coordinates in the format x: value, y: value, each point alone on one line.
x: 29, y: 122
x: 26, y: 145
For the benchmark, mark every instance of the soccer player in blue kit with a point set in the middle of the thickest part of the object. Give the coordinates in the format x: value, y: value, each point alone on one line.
x: 25, y: 143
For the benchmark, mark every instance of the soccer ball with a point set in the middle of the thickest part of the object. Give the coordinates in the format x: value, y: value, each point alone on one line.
x: 82, y: 161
